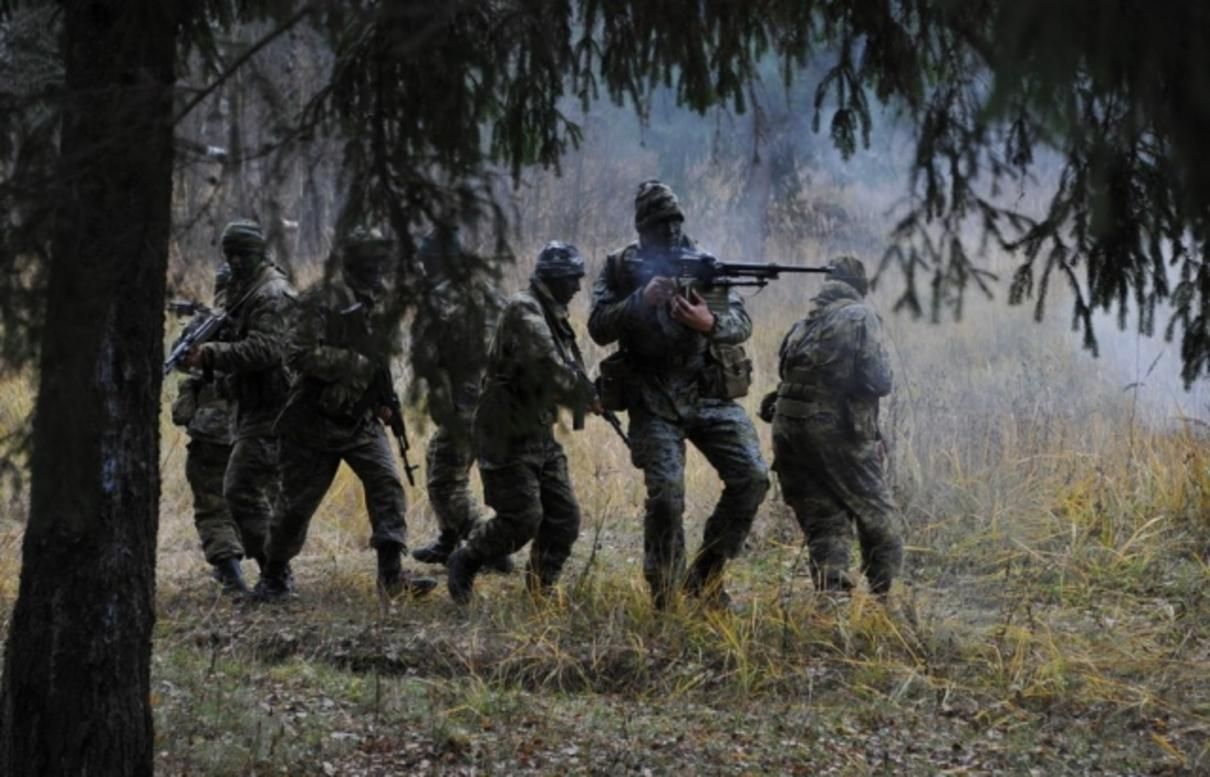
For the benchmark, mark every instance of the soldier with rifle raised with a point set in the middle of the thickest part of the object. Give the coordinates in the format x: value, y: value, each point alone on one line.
x: 245, y: 343
x: 341, y: 397
x: 533, y: 367
x: 680, y: 365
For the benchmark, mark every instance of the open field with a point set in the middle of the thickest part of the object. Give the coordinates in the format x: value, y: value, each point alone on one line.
x: 1053, y: 616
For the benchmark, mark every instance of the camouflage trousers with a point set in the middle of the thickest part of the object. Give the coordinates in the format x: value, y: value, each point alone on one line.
x: 533, y: 500
x: 724, y: 434
x: 307, y: 474
x: 251, y: 488
x: 448, y: 461
x: 205, y: 466
x: 834, y: 481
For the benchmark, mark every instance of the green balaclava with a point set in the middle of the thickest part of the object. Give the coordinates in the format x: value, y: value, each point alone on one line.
x: 243, y: 244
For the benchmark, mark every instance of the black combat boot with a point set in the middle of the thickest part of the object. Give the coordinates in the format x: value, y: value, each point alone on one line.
x: 276, y: 582
x: 227, y: 571
x: 461, y: 576
x: 438, y: 551
x: 394, y: 580
x: 705, y: 582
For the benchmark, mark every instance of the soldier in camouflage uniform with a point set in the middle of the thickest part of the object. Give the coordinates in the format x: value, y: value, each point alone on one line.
x: 204, y: 413
x: 340, y: 397
x: 534, y: 366
x: 834, y: 368
x: 449, y: 349
x: 668, y: 345
x: 249, y: 353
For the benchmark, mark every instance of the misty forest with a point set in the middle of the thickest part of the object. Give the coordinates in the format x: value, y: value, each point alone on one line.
x: 1024, y: 183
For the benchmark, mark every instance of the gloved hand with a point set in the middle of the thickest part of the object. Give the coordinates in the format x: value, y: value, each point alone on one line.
x: 768, y: 404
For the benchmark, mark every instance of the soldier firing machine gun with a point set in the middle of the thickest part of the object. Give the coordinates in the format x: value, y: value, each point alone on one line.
x: 711, y: 278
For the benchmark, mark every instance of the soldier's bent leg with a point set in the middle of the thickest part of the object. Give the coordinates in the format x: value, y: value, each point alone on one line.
x: 725, y: 435
x: 306, y: 475
x: 374, y: 464
x: 560, y: 521
x: 205, y: 467
x: 658, y: 448
x: 515, y: 494
x: 250, y: 487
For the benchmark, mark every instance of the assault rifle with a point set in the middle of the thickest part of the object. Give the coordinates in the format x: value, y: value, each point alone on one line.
x: 383, y: 389
x: 203, y: 328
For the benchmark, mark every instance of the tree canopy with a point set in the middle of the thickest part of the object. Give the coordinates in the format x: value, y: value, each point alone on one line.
x: 432, y: 99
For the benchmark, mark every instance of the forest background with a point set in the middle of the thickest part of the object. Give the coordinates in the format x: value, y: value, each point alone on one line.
x: 1056, y: 508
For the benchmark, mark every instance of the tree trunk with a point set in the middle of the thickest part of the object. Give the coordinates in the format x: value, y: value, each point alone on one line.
x: 75, y: 695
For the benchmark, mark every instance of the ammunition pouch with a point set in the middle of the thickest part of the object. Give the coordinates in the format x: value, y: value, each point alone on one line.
x: 728, y: 373
x: 614, y: 382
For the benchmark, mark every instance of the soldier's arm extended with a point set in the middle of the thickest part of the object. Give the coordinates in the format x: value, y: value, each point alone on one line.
x: 613, y: 312
x: 732, y: 327
x: 265, y: 344
x: 310, y: 354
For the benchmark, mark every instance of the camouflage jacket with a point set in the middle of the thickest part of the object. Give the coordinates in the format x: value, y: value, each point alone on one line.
x: 533, y: 366
x: 667, y: 360
x: 251, y: 351
x: 449, y: 347
x: 202, y: 410
x: 835, y: 361
x: 339, y: 353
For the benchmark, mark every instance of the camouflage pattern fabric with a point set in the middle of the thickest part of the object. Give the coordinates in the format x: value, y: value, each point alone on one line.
x: 251, y: 487
x: 533, y: 500
x: 666, y: 406
x: 205, y: 468
x: 340, y: 343
x: 834, y: 367
x: 449, y: 350
x: 251, y: 352
x: 530, y: 373
x: 448, y: 461
x: 307, y: 474
x: 724, y: 434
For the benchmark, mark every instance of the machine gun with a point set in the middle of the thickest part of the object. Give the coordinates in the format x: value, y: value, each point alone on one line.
x: 706, y: 275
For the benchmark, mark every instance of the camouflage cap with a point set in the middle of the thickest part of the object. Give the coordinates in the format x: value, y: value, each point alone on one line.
x: 655, y: 202
x: 243, y: 236
x: 366, y: 243
x: 850, y: 270
x: 559, y: 260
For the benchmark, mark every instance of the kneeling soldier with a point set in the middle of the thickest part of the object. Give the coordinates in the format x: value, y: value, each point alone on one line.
x: 534, y: 366
x: 341, y: 392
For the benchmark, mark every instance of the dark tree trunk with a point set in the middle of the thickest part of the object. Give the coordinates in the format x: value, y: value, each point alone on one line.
x: 75, y: 696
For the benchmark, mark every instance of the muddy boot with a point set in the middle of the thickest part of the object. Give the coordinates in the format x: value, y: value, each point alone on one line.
x: 394, y: 580
x: 228, y: 573
x: 461, y: 576
x: 276, y: 582
x: 705, y: 582
x: 438, y: 551
x: 500, y: 564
